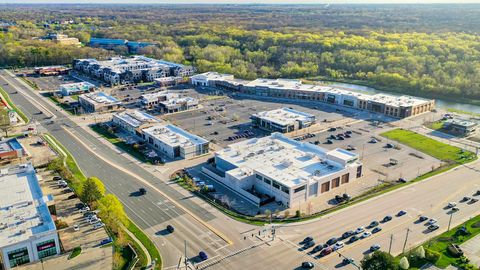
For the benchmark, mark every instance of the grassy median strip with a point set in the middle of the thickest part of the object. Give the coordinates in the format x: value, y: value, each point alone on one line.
x: 12, y: 105
x: 429, y: 146
x: 77, y: 180
x: 75, y: 252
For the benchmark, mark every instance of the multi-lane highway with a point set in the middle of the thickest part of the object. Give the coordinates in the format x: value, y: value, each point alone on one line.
x: 207, y: 229
x: 151, y: 212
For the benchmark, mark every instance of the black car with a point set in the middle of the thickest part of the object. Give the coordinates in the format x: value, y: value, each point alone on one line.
x: 80, y: 205
x: 57, y: 178
x: 433, y: 227
x: 347, y: 234
x: 170, y: 228
x: 309, y: 244
x: 353, y: 239
x: 387, y: 219
x: 348, y: 132
x: 142, y: 191
x: 373, y: 224
x: 317, y: 248
x: 422, y: 218
x: 332, y: 241
x: 307, y: 265
x: 376, y: 229
x: 332, y: 129
x: 401, y: 213
x: 347, y: 261
x: 73, y: 196
x: 307, y: 239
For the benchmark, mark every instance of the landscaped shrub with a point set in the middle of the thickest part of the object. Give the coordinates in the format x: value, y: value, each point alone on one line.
x: 432, y: 256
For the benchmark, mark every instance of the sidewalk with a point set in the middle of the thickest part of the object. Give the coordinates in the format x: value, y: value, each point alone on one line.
x: 149, y: 258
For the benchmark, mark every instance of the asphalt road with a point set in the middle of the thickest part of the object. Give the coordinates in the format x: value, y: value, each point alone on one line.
x: 151, y: 212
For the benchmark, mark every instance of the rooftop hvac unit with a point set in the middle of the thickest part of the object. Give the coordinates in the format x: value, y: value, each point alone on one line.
x: 317, y: 173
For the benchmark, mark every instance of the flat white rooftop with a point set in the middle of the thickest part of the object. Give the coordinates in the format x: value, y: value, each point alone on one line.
x: 136, y: 118
x: 285, y: 116
x: 286, y: 161
x: 151, y: 97
x: 23, y: 209
x: 80, y: 86
x: 100, y: 98
x: 174, y: 136
x: 180, y: 100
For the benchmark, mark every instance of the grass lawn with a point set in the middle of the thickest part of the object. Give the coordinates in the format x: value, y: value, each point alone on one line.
x: 429, y: 146
x: 76, y: 251
x: 437, y: 125
x: 440, y: 243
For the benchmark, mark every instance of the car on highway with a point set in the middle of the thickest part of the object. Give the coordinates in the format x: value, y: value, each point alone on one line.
x: 142, y: 191
x: 451, y: 204
x: 347, y: 234
x: 359, y: 230
x: 332, y: 129
x: 390, y: 145
x: 307, y: 265
x: 365, y: 234
x: 338, y: 245
x: 373, y: 224
x: 376, y: 229
x: 402, y: 180
x: 386, y: 219
x: 202, y: 255
x: 374, y: 247
x: 332, y: 241
x: 401, y: 213
x: 433, y: 227
x: 422, y: 218
x: 353, y: 239
x: 170, y: 228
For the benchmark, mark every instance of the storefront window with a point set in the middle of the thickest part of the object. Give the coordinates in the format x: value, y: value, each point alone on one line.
x: 18, y: 257
x: 46, y: 249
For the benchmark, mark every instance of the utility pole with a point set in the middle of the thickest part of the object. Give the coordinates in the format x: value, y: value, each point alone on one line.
x: 450, y: 220
x: 406, y: 239
x: 186, y: 266
x: 390, y: 246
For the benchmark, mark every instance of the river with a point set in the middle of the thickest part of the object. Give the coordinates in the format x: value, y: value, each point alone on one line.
x: 441, y: 103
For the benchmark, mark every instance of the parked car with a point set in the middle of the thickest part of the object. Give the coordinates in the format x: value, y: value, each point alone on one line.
x: 359, y: 230
x: 332, y: 241
x: 338, y: 245
x: 422, y: 218
x: 170, y: 228
x: 142, y: 191
x: 326, y: 251
x: 307, y: 265
x: 401, y: 213
x: 98, y: 225
x: 85, y: 209
x: 347, y: 261
x: 374, y: 247
x: 376, y: 229
x: 455, y: 209
x: 309, y: 244
x: 466, y: 198
x: 307, y: 239
x: 473, y: 200
x: 386, y: 219
x: 76, y: 227
x: 57, y: 178
x: 353, y: 239
x: 332, y: 129
x: 347, y: 234
x: 390, y: 145
x: 402, y: 180
x: 373, y: 224
x: 73, y: 196
x: 203, y: 256
x: 365, y: 234
x: 106, y: 241
x: 451, y: 204
x: 95, y: 221
x: 433, y: 227
x: 317, y: 248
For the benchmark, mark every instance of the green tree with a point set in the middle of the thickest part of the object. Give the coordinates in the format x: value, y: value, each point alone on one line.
x: 111, y: 211
x: 379, y: 260
x: 92, y: 191
x: 404, y: 264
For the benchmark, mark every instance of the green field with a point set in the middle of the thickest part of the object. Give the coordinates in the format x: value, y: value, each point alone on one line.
x: 429, y: 146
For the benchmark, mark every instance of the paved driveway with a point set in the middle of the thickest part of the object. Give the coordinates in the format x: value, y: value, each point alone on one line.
x: 471, y: 248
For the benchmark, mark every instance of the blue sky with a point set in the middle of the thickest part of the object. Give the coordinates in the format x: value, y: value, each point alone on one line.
x: 241, y: 1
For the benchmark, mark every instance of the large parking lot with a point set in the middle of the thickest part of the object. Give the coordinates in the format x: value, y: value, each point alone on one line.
x: 224, y: 116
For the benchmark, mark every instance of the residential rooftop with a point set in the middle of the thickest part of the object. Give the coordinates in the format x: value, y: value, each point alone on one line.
x: 461, y: 122
x: 287, y: 161
x: 120, y: 64
x: 10, y: 145
x: 23, y: 209
x: 285, y: 116
x: 173, y: 135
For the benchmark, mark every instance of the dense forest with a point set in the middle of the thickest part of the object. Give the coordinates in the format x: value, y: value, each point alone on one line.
x: 433, y: 50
